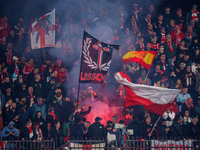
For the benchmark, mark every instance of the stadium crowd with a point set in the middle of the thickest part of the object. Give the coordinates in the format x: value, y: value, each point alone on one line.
x: 36, y: 103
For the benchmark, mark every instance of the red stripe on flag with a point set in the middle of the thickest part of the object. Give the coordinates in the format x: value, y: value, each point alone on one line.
x: 43, y: 16
x: 54, y: 27
x: 132, y: 99
x: 49, y: 45
x: 141, y: 61
x: 42, y: 38
x: 86, y: 147
x: 138, y: 60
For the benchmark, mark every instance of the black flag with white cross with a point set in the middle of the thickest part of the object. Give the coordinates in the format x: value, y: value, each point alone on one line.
x: 96, y: 60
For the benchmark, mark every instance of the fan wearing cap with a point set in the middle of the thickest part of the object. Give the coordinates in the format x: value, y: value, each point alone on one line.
x: 111, y: 136
x: 14, y: 69
x: 97, y: 130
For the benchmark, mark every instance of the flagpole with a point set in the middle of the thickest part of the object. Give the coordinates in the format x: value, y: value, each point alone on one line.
x: 79, y: 83
x: 154, y: 125
x: 147, y: 75
x: 78, y: 93
x: 79, y: 77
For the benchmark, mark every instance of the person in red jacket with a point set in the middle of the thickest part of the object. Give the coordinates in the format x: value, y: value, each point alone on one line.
x: 62, y: 72
x: 4, y: 30
x: 28, y: 68
x: 177, y: 35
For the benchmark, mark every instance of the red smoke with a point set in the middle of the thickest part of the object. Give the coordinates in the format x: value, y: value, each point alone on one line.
x: 102, y: 110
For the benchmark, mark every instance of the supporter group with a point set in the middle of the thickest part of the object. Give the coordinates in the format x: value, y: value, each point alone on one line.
x: 38, y: 97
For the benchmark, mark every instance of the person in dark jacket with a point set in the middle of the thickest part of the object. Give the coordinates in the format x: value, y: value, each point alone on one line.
x: 10, y: 132
x: 97, y: 130
x: 163, y: 130
x: 28, y: 133
x: 31, y: 76
x: 81, y: 112
x: 18, y: 86
x: 11, y: 113
x: 56, y: 134
x: 135, y: 125
x: 39, y: 119
x: 25, y: 115
x: 147, y: 127
x: 194, y: 129
x: 66, y: 110
x: 51, y: 117
x: 76, y: 129
x: 37, y: 86
x: 170, y: 48
x: 193, y: 47
x: 111, y: 136
x: 14, y: 69
x: 188, y: 105
x: 176, y: 132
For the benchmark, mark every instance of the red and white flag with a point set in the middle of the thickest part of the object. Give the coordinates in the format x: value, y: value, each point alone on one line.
x: 43, y: 31
x: 154, y: 99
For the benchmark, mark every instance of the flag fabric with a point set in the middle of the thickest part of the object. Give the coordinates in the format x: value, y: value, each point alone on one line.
x: 96, y: 60
x: 145, y: 58
x: 43, y: 31
x: 97, y: 146
x: 154, y: 99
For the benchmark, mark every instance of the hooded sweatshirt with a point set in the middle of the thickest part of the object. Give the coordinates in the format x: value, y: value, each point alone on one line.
x: 8, y: 129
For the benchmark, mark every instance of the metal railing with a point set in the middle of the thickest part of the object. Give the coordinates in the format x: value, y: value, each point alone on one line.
x: 139, y: 144
x: 128, y: 144
x: 27, y: 145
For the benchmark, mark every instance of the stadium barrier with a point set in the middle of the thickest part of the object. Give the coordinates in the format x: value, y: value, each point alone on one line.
x: 128, y: 144
x: 139, y: 144
x: 27, y: 145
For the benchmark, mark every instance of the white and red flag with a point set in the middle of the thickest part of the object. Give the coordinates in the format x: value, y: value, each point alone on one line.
x: 154, y: 99
x: 43, y: 31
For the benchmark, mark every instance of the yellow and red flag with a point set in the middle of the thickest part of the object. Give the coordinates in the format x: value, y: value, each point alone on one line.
x: 145, y: 58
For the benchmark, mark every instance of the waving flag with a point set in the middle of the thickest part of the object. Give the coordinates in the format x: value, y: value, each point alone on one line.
x: 154, y: 99
x: 43, y: 31
x: 145, y: 58
x: 96, y: 60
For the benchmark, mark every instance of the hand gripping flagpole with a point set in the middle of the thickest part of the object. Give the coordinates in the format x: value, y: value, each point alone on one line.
x: 155, y: 124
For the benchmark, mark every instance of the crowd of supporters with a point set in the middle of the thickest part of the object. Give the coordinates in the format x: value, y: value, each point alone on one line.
x: 36, y: 103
